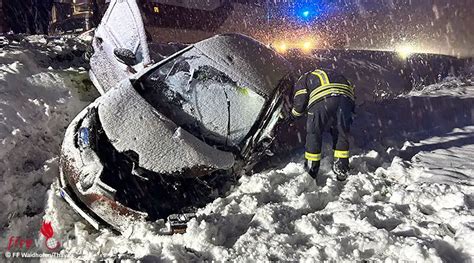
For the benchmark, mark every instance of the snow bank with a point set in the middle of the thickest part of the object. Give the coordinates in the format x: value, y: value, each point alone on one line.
x: 36, y: 104
x: 285, y: 215
x: 411, y: 200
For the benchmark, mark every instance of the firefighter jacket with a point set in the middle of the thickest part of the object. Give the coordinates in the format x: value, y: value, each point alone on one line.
x: 314, y: 86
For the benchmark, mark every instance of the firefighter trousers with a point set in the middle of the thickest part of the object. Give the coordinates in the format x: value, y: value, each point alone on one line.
x: 333, y: 114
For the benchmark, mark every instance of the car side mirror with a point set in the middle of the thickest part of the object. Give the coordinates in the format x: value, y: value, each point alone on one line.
x: 125, y: 56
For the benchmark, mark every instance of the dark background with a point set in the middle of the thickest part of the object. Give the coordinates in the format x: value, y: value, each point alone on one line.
x: 436, y: 26
x: 27, y: 16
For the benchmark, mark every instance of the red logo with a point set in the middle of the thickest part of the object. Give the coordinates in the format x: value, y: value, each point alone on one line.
x: 47, y: 230
x: 17, y: 242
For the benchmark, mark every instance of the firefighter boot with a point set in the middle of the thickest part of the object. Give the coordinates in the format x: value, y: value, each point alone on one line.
x: 313, y: 168
x: 341, y: 168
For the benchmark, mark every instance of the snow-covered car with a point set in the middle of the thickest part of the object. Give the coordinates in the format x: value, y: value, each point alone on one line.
x: 166, y: 137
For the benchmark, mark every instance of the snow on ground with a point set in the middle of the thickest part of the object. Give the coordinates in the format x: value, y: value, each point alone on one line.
x: 451, y: 86
x: 38, y: 98
x: 413, y: 203
x: 409, y: 198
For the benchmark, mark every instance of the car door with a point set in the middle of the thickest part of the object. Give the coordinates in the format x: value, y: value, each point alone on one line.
x: 120, y: 45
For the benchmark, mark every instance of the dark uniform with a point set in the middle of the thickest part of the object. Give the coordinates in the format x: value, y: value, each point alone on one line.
x: 328, y: 99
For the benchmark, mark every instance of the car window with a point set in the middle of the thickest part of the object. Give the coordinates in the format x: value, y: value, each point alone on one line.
x: 202, y: 99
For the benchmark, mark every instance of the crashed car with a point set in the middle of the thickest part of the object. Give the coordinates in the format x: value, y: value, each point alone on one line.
x: 168, y: 137
x: 176, y: 125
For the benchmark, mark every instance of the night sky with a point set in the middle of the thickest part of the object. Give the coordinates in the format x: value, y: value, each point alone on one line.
x: 437, y: 26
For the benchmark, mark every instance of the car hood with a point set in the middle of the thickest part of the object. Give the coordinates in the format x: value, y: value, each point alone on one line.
x: 131, y: 124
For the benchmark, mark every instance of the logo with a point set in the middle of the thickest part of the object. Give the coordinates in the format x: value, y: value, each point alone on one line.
x: 47, y: 231
x: 20, y: 243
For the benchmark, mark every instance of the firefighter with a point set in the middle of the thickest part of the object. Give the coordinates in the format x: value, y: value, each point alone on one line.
x: 327, y: 98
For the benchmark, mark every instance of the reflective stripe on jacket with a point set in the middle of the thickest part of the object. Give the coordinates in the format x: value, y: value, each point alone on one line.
x: 315, y: 86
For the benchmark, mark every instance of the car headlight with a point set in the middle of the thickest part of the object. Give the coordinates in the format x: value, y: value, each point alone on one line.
x: 305, y: 45
x: 281, y: 47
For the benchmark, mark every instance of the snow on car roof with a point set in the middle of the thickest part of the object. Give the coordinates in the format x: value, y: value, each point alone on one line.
x: 247, y: 61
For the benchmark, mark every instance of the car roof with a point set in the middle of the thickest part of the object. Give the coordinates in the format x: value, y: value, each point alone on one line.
x: 242, y: 58
x: 247, y: 61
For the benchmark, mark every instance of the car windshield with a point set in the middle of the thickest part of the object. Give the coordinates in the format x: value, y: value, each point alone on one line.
x: 202, y: 99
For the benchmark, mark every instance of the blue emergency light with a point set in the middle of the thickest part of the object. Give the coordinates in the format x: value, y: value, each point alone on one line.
x: 303, y: 11
x: 307, y: 10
